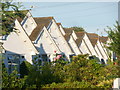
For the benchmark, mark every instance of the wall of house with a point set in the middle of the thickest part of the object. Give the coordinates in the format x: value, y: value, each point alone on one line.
x: 45, y: 43
x: 84, y: 48
x: 109, y: 51
x: 73, y: 45
x: 90, y: 46
x: 98, y: 52
x: 61, y: 29
x: 29, y: 23
x: 74, y: 35
x: 102, y: 50
x: 59, y: 39
x: 18, y: 42
x: 104, y: 47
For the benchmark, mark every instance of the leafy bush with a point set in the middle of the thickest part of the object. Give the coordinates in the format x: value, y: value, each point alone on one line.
x: 80, y: 73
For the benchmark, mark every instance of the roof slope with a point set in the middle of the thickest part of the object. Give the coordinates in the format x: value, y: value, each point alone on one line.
x: 67, y: 36
x: 79, y: 34
x: 58, y: 24
x: 80, y: 37
x: 41, y: 22
x: 68, y: 30
x: 103, y: 39
x: 93, y: 38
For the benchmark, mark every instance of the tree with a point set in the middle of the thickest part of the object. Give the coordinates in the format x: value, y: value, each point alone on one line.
x: 24, y: 68
x: 84, y: 73
x: 11, y: 80
x: 114, y: 35
x: 10, y: 11
x: 78, y: 29
x: 114, y: 45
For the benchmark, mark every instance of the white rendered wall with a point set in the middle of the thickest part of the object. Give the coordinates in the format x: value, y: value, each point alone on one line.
x: 74, y: 35
x: 90, y: 46
x: 105, y: 49
x: 74, y: 46
x: 98, y: 52
x: 61, y: 29
x: 84, y: 48
x: 59, y: 39
x: 29, y: 24
x: 18, y: 42
x: 45, y: 44
x: 102, y: 51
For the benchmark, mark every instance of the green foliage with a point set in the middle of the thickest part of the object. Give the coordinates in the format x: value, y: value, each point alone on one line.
x: 114, y: 35
x: 74, y: 84
x: 8, y: 17
x: 78, y: 29
x: 40, y: 75
x: 11, y: 80
x: 84, y: 73
x: 24, y: 68
x: 80, y: 73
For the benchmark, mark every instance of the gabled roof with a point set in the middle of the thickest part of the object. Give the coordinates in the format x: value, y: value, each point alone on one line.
x: 80, y: 37
x: 93, y: 38
x: 94, y: 41
x: 92, y: 35
x: 68, y: 30
x: 41, y: 22
x: 103, y: 39
x: 58, y: 24
x: 67, y: 37
x: 79, y: 34
x: 78, y: 41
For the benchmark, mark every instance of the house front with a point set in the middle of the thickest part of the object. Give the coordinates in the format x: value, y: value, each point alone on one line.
x: 18, y: 46
x: 94, y: 38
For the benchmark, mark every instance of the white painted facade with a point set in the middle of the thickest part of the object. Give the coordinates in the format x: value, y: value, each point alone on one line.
x: 74, y: 35
x: 105, y: 49
x: 102, y: 51
x: 116, y: 84
x: 98, y: 52
x: 86, y: 46
x: 28, y: 23
x: 59, y: 39
x: 74, y: 46
x: 46, y: 44
x: 89, y: 45
x: 19, y: 43
x: 71, y: 42
x: 51, y: 39
x: 61, y: 29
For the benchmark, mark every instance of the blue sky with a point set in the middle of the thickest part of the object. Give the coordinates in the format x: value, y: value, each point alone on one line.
x: 89, y: 15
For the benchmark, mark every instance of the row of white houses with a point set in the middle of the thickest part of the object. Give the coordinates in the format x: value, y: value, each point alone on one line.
x: 43, y: 36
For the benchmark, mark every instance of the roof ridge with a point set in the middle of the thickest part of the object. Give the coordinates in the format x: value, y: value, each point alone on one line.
x: 51, y: 17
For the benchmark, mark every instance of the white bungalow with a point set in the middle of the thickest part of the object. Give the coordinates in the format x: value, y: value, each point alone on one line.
x: 94, y: 38
x: 69, y: 38
x: 84, y: 43
x: 43, y: 40
x: 18, y: 47
x: 48, y: 38
x: 57, y: 36
x: 105, y: 43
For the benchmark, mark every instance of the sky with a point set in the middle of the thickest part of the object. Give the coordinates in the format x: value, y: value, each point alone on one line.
x: 94, y: 17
